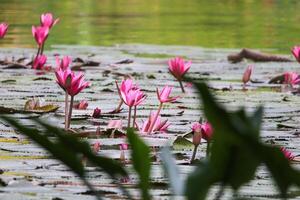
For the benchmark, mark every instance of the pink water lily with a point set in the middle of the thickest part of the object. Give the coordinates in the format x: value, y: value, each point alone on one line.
x: 164, y: 95
x: 291, y: 78
x: 287, y: 153
x: 126, y: 85
x: 96, y: 147
x: 205, y: 128
x: 40, y: 34
x: 178, y: 68
x: 71, y: 82
x: 133, y: 97
x: 96, y: 113
x: 296, y: 52
x: 3, y: 29
x: 114, y: 124
x: 159, y: 125
x: 207, y: 131
x: 123, y: 146
x: 63, y: 63
x: 47, y: 20
x: 39, y: 62
x: 202, y: 130
x: 82, y: 105
x: 247, y: 74
x: 197, y: 133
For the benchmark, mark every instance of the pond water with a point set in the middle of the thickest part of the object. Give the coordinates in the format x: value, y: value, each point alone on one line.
x: 260, y: 24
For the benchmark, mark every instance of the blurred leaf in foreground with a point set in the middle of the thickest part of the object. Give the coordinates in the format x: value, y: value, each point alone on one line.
x: 141, y: 161
x: 236, y: 152
x: 68, y: 149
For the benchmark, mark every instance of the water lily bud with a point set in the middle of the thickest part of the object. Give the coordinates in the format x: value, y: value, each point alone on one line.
x: 96, y: 113
x: 197, y: 133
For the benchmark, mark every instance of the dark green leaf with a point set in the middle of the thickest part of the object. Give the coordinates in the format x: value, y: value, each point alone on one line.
x: 141, y: 161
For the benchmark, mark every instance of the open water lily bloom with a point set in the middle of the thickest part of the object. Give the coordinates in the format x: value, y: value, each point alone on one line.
x: 164, y: 95
x: 70, y: 82
x: 178, y: 67
x: 47, y: 20
x: 133, y: 97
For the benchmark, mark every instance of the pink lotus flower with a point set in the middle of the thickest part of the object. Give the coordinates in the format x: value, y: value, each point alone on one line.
x: 178, y: 67
x: 82, y: 105
x: 296, y: 52
x: 159, y: 125
x: 291, y: 78
x: 70, y: 82
x: 40, y: 34
x: 114, y: 124
x: 287, y: 153
x: 206, y: 130
x: 96, y: 113
x: 47, y: 20
x: 39, y: 62
x: 64, y: 62
x: 247, y: 74
x: 164, y: 95
x: 3, y: 29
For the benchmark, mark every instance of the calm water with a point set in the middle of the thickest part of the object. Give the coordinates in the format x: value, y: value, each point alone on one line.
x: 210, y: 23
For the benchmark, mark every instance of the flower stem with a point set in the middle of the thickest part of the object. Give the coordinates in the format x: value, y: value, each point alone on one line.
x: 181, y: 85
x: 119, y: 106
x: 207, y: 149
x: 38, y: 52
x: 194, y: 153
x: 155, y: 118
x: 66, y: 110
x: 70, y: 111
x: 42, y: 49
x: 134, y: 117
x: 129, y: 116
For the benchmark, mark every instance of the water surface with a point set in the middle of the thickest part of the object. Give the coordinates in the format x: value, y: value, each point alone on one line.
x: 225, y: 24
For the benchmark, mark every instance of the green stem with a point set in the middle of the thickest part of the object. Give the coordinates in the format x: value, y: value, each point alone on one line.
x: 70, y: 111
x: 66, y: 110
x: 181, y: 85
x: 42, y: 49
x: 207, y: 149
x: 194, y: 153
x: 129, y: 116
x: 39, y: 49
x: 134, y: 117
x: 155, y: 118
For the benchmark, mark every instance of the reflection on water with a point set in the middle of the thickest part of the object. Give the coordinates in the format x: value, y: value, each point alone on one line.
x: 208, y: 23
